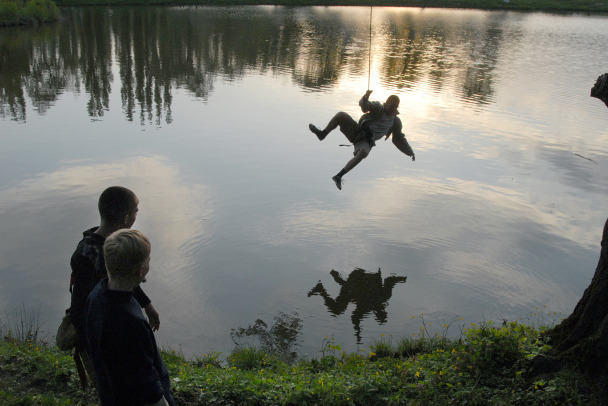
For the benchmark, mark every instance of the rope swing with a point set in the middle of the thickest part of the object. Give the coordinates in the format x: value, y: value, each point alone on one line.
x: 369, y: 74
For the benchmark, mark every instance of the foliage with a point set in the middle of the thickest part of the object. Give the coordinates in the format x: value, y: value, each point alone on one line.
x: 485, y: 365
x: 30, y: 12
x: 36, y: 373
x: 248, y: 359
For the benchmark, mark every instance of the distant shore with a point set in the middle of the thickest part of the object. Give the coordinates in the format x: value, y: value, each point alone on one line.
x: 35, y: 12
x: 554, y: 6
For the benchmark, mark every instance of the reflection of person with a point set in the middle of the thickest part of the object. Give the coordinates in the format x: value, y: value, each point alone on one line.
x: 128, y: 365
x: 379, y: 121
x: 117, y: 209
x: 366, y: 290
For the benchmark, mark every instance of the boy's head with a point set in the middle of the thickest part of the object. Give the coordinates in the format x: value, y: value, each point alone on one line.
x: 391, y: 104
x: 127, y: 255
x: 118, y: 206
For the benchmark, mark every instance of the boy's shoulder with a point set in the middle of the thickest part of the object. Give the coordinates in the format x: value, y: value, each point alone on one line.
x: 90, y: 246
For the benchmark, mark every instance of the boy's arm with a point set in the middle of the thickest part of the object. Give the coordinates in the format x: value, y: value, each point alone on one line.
x: 141, y: 297
x: 364, y: 102
x: 153, y: 316
x: 84, y: 282
x: 399, y: 139
x: 146, y: 304
x: 141, y: 359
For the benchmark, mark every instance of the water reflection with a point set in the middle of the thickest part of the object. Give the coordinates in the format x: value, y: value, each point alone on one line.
x: 170, y: 210
x: 367, y: 291
x: 461, y: 51
x: 156, y: 50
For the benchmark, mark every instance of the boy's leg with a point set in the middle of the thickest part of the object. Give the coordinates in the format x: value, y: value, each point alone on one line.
x: 85, y: 357
x: 167, y: 392
x: 361, y: 154
x: 348, y: 126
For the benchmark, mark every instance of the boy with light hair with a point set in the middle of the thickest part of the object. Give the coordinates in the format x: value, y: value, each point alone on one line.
x: 128, y: 365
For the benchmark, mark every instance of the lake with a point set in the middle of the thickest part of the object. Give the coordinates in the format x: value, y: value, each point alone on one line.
x: 204, y: 113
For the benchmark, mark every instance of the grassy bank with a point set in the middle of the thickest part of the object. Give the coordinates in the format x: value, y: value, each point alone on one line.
x: 595, y: 6
x: 30, y: 12
x: 487, y: 365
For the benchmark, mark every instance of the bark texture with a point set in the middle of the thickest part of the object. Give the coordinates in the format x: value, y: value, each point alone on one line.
x: 581, y: 340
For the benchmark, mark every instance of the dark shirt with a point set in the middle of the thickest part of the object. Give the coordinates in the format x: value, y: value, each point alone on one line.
x: 375, y: 111
x: 128, y: 365
x: 88, y: 268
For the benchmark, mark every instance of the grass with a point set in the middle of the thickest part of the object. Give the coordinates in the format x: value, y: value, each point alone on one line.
x: 487, y: 364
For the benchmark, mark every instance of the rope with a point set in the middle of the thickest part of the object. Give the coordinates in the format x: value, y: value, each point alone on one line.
x: 369, y: 74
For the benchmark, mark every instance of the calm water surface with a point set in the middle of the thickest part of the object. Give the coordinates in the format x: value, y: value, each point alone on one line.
x: 204, y: 111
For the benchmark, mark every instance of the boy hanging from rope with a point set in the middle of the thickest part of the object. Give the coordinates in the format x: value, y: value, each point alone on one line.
x: 380, y: 120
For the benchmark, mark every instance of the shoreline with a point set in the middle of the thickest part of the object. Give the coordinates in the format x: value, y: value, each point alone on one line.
x: 549, y: 6
x: 12, y: 15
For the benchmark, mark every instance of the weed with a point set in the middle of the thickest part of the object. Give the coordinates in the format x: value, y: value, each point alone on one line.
x: 22, y: 325
x: 383, y: 348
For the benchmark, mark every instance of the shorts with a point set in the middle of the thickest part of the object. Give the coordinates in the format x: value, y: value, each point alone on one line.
x: 362, y: 145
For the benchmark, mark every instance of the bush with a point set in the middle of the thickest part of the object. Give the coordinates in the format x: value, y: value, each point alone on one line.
x: 9, y: 13
x: 247, y: 359
x: 32, y: 12
x: 40, y: 11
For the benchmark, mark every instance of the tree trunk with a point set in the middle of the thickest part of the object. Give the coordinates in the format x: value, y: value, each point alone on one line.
x: 581, y: 340
x: 600, y: 89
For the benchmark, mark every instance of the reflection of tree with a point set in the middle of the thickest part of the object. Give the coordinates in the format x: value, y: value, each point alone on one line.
x: 416, y: 51
x: 482, y: 61
x: 96, y: 59
x: 367, y: 291
x: 143, y: 48
x: 29, y: 63
x: 14, y: 61
x: 158, y: 50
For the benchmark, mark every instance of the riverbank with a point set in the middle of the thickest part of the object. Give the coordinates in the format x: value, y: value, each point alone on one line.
x: 560, y: 6
x: 487, y: 365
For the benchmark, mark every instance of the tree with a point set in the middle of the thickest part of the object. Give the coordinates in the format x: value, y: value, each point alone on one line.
x: 581, y: 340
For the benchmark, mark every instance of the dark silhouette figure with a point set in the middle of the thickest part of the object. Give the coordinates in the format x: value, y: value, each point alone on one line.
x: 366, y: 290
x: 600, y: 89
